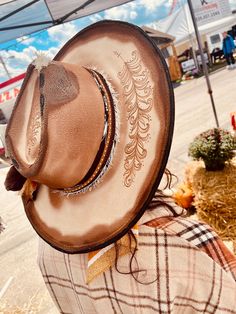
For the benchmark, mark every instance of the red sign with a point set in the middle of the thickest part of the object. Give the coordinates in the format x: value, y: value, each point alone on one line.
x: 8, y: 95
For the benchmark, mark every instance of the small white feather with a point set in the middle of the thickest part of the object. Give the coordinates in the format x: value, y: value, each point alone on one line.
x: 41, y: 61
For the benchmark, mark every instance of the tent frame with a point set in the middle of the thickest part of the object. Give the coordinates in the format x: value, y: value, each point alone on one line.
x: 52, y: 22
x: 18, y: 10
x: 204, y: 65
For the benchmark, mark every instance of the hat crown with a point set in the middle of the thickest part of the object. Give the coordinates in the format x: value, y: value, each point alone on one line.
x: 60, y: 116
x: 58, y: 85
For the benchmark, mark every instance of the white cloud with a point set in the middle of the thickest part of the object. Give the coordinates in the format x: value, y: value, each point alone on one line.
x: 124, y: 12
x: 51, y: 52
x: 133, y: 15
x: 129, y: 11
x: 152, y: 5
x: 95, y: 18
x: 62, y: 33
x: 25, y: 40
x: 21, y: 58
x: 17, y: 62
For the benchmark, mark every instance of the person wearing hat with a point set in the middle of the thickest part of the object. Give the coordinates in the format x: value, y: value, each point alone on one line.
x: 89, y: 140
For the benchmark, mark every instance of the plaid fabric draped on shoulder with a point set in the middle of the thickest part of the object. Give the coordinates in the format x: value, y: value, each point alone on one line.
x: 188, y: 268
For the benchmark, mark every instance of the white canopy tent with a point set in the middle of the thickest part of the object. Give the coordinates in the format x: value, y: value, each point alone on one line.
x: 180, y: 25
x: 183, y: 26
x: 23, y: 17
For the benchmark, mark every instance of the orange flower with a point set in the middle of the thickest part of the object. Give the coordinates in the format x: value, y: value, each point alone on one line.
x: 184, y: 196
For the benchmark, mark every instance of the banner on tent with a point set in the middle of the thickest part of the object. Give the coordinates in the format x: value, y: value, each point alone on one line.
x: 207, y: 11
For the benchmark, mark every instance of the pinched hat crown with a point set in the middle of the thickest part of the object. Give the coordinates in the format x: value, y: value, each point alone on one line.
x: 66, y: 114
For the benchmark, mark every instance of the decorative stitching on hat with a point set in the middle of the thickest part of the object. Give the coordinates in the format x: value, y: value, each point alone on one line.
x: 31, y: 170
x: 34, y: 132
x: 137, y: 91
x: 36, y: 124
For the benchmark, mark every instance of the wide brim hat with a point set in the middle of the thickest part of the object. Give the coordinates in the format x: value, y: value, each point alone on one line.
x: 91, y: 131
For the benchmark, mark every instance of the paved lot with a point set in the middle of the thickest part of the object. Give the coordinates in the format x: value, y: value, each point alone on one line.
x: 194, y: 112
x: 19, y: 275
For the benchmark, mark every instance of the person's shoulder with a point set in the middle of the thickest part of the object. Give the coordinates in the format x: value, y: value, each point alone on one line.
x: 193, y: 231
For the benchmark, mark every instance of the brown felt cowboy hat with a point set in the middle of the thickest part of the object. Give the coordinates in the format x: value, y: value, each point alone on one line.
x: 91, y: 130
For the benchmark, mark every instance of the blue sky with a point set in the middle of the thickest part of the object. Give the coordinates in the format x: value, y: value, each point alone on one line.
x: 17, y: 54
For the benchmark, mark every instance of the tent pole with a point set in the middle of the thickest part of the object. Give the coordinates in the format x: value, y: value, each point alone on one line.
x: 194, y: 52
x: 205, y: 70
x: 5, y: 67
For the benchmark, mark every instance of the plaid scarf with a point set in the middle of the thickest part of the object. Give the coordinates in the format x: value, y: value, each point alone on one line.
x: 101, y: 260
x: 189, y: 269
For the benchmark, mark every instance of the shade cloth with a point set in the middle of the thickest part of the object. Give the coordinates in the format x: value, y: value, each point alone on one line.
x: 23, y: 17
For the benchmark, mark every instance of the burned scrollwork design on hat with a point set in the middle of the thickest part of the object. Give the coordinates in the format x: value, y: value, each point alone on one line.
x: 138, y: 100
x: 34, y: 132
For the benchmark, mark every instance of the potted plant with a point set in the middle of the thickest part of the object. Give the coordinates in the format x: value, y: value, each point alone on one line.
x: 214, y: 147
x: 211, y: 181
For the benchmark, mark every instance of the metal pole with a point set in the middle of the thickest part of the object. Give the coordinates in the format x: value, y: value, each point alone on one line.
x: 204, y: 65
x: 194, y: 53
x: 5, y: 68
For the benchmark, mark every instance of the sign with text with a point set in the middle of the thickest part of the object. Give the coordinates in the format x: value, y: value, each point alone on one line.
x: 8, y: 93
x: 188, y: 65
x: 207, y: 11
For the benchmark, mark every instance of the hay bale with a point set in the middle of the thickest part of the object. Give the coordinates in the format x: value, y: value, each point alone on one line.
x: 215, y: 196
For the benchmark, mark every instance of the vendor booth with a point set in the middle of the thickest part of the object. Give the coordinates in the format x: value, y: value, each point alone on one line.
x: 165, y: 42
x: 179, y: 24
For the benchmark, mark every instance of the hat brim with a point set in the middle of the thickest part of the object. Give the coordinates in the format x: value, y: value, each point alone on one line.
x: 135, y: 68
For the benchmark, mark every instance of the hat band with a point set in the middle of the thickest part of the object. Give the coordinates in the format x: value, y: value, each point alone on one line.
x: 104, y: 154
